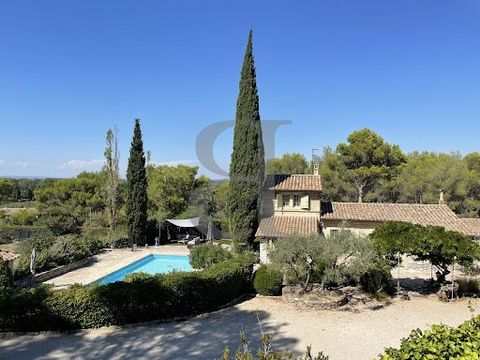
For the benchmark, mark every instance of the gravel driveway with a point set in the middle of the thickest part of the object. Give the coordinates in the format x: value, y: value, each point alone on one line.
x: 341, y: 335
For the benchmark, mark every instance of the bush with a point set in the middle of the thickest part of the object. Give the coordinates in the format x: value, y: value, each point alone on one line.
x: 268, y: 281
x: 6, y: 277
x: 141, y: 298
x: 440, y: 342
x: 26, y: 217
x: 267, y: 353
x: 378, y: 280
x: 62, y: 224
x: 206, y: 255
x: 11, y: 233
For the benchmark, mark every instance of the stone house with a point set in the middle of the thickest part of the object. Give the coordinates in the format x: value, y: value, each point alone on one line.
x: 292, y: 204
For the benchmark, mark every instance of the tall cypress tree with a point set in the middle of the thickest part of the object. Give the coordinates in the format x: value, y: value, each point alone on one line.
x: 136, y: 204
x: 247, y: 165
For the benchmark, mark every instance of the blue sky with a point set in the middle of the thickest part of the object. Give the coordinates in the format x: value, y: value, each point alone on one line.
x: 69, y: 70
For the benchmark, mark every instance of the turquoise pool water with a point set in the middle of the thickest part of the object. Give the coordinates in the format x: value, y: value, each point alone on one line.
x: 151, y: 264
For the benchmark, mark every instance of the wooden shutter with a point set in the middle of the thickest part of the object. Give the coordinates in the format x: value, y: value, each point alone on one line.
x: 279, y: 200
x: 305, y: 202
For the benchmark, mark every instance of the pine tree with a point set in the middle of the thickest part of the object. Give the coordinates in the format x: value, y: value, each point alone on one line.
x: 136, y: 204
x: 247, y: 165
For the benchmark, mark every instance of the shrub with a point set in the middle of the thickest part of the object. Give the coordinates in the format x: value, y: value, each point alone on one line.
x: 378, y: 280
x: 205, y: 255
x: 62, y: 224
x: 267, y: 353
x: 11, y: 233
x: 141, y: 298
x: 26, y: 217
x: 6, y: 277
x: 440, y: 342
x: 268, y: 281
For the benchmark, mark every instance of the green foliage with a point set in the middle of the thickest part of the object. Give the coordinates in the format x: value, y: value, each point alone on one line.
x: 136, y: 204
x: 77, y: 197
x: 268, y: 281
x: 440, y: 342
x: 267, y: 352
x: 169, y: 190
x: 25, y: 217
x: 338, y: 259
x: 206, y: 255
x: 6, y: 189
x: 61, y: 224
x: 6, y: 276
x: 53, y: 251
x: 11, y: 233
x: 294, y: 163
x: 220, y: 211
x: 247, y: 163
x: 378, y: 279
x: 367, y: 158
x: 427, y: 243
x: 141, y: 298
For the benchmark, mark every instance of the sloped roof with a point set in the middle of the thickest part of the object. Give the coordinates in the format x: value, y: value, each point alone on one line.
x: 294, y: 182
x: 422, y: 214
x: 8, y: 255
x: 471, y: 226
x: 281, y: 226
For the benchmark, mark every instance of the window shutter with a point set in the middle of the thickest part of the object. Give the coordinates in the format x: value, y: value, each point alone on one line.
x: 305, y: 202
x: 279, y: 200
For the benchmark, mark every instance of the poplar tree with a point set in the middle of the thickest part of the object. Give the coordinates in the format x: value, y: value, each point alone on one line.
x: 112, y: 158
x: 136, y: 204
x: 247, y: 164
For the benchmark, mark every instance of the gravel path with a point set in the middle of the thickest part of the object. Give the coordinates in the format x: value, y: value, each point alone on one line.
x: 341, y: 335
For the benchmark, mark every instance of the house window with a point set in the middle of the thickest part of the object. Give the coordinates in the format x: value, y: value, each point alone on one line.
x: 296, y: 200
x: 286, y: 200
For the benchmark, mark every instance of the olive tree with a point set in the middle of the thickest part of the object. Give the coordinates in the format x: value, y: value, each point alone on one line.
x: 427, y: 243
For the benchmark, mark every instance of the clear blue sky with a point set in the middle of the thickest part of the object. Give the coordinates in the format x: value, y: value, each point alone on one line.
x: 69, y: 70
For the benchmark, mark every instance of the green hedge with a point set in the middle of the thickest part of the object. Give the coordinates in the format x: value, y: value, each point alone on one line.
x: 11, y: 233
x: 268, y: 281
x: 140, y: 298
x: 440, y: 342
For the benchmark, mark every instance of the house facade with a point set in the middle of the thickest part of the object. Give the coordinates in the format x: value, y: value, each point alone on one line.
x: 292, y: 204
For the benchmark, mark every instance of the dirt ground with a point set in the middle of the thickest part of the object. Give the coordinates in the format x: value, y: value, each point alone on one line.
x: 340, y: 334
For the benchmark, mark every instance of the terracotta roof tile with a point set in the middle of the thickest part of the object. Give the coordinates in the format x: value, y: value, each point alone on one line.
x: 8, y: 255
x: 471, y: 226
x: 422, y: 214
x: 281, y: 226
x: 298, y: 182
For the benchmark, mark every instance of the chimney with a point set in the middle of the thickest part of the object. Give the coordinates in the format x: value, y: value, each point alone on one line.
x: 441, y: 201
x: 315, y: 169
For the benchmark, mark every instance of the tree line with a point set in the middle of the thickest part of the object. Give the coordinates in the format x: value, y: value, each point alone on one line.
x: 367, y: 168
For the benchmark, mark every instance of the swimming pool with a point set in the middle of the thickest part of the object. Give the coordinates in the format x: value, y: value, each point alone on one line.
x: 151, y: 264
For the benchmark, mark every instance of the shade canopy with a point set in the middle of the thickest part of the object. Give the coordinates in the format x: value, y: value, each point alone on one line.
x: 185, y: 223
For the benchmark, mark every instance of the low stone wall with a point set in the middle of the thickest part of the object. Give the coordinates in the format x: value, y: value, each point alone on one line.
x: 50, y: 274
x: 348, y: 298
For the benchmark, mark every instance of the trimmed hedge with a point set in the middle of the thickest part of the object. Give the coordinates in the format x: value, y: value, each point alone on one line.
x: 440, y: 342
x: 140, y: 298
x: 268, y: 281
